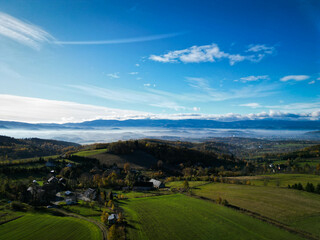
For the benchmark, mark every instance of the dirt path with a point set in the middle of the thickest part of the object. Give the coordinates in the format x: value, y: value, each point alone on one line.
x: 99, y: 224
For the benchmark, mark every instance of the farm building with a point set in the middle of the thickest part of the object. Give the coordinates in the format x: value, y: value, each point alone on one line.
x: 157, y: 184
x: 53, y: 180
x: 142, y: 186
x: 90, y: 194
x: 112, y: 218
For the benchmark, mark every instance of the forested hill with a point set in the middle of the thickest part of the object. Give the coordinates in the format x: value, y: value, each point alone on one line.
x: 308, y: 152
x: 174, y: 153
x: 13, y: 148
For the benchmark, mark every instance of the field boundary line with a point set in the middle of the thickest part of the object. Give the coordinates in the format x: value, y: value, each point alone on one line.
x: 12, y: 219
x: 262, y: 218
x: 98, y: 224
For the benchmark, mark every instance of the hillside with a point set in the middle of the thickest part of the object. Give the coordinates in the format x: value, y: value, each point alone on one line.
x: 13, y: 148
x: 146, y: 153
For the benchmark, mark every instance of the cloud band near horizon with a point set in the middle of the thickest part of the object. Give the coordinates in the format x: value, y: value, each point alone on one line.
x: 37, y: 110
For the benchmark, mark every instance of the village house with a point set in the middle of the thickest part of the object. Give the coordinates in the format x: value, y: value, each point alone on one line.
x: 142, y: 186
x: 157, y: 184
x: 90, y: 194
x: 112, y: 218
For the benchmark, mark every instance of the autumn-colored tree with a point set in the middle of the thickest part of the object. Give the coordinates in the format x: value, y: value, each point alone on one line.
x: 186, y: 185
x: 110, y: 203
x: 126, y: 167
x: 120, y: 217
x: 159, y: 164
x: 104, y: 217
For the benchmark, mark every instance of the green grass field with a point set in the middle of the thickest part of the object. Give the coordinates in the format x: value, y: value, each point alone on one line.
x: 179, y: 184
x: 43, y: 226
x: 282, y: 179
x: 181, y: 217
x: 89, y: 153
x: 298, y: 209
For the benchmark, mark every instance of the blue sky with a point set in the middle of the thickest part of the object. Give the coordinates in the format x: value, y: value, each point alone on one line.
x: 81, y: 60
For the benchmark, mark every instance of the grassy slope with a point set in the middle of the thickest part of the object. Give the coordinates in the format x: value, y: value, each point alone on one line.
x: 181, y: 217
x: 282, y: 179
x: 89, y: 153
x: 292, y: 207
x: 179, y: 184
x: 49, y: 227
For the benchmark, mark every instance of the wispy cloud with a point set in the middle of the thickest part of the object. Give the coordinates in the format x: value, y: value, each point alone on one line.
x: 261, y: 48
x: 134, y: 73
x: 22, y: 32
x: 208, y: 53
x: 8, y: 71
x: 294, y: 78
x: 113, y: 75
x: 252, y: 105
x: 312, y: 82
x: 122, y: 40
x: 253, y: 78
x: 149, y: 97
x: 213, y: 94
x: 293, y: 107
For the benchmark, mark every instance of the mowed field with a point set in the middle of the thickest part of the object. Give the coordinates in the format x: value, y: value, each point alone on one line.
x: 281, y: 179
x: 48, y: 227
x: 297, y: 209
x: 179, y: 184
x: 182, y: 217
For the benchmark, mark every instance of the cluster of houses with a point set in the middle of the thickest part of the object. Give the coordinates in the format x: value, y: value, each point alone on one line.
x: 47, y: 192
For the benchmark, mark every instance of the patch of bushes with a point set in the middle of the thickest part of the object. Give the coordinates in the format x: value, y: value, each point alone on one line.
x: 309, y: 187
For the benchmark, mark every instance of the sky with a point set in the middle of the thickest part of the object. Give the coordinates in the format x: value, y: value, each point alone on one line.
x: 72, y: 61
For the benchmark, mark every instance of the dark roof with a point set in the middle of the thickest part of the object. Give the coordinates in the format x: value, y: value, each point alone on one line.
x: 143, y: 184
x: 90, y: 193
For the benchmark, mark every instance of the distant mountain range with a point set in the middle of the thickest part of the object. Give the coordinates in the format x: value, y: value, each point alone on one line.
x: 269, y: 124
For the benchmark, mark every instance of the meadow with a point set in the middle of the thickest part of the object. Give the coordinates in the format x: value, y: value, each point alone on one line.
x: 297, y: 209
x: 179, y: 184
x: 44, y: 226
x: 282, y: 180
x: 182, y: 217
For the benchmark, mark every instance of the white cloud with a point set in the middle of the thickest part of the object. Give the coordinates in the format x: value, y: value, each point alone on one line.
x: 137, y: 65
x: 23, y: 32
x: 318, y: 78
x: 120, y: 41
x: 261, y: 48
x: 37, y: 110
x: 253, y: 78
x: 252, y: 105
x: 134, y: 73
x: 196, y: 109
x: 147, y: 84
x: 312, y: 82
x: 113, y: 75
x: 26, y: 109
x: 207, y: 53
x: 294, y: 78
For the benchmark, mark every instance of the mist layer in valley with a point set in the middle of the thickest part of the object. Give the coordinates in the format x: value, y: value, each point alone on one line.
x: 87, y: 136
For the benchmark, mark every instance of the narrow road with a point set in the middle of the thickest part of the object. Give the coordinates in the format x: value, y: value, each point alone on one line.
x: 99, y: 224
